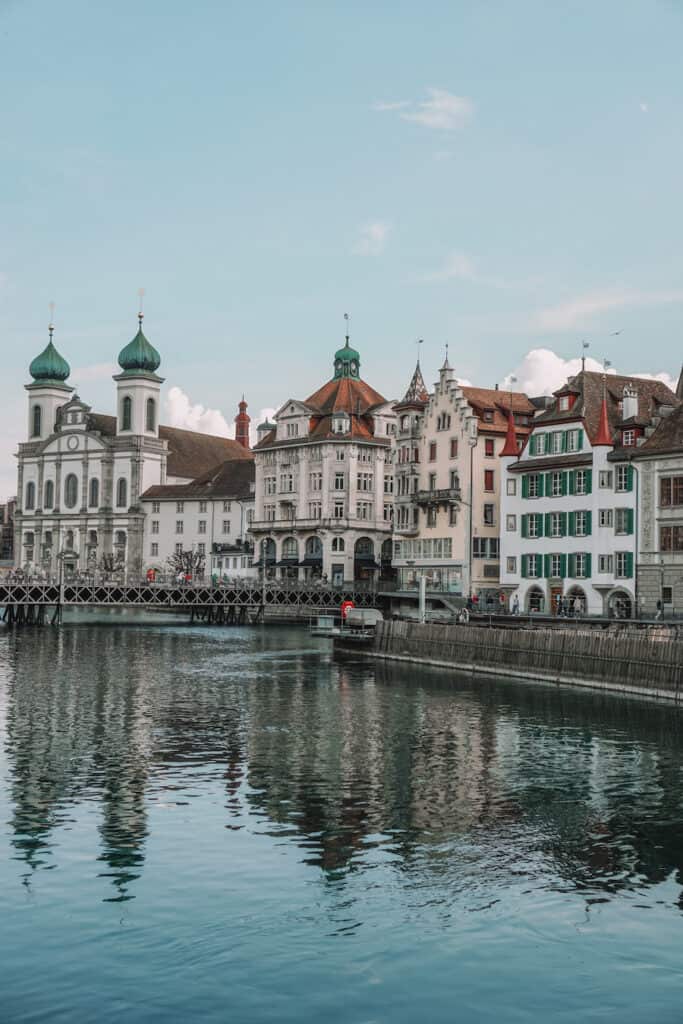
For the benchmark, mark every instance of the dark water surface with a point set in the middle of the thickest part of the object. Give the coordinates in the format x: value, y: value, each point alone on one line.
x: 226, y: 825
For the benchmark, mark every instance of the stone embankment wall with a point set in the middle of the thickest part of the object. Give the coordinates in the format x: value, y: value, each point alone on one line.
x: 645, y: 661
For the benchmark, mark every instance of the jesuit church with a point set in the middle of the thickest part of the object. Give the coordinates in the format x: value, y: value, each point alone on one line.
x: 82, y: 475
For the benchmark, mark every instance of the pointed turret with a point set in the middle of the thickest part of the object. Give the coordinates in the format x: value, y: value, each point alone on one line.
x: 604, y: 434
x: 242, y: 421
x: 510, y: 447
x: 417, y: 389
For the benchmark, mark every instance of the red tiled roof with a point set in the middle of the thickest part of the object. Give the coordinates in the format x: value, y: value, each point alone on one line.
x: 498, y: 402
x: 345, y: 394
x: 233, y: 478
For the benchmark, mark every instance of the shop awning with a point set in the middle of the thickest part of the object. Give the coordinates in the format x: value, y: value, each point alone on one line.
x: 312, y: 561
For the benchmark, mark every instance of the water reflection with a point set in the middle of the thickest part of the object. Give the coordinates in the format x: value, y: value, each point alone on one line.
x: 458, y: 787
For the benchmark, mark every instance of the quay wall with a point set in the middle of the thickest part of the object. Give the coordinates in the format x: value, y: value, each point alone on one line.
x: 646, y: 662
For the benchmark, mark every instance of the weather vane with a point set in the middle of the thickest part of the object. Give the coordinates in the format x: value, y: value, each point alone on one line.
x: 141, y: 295
x: 51, y: 325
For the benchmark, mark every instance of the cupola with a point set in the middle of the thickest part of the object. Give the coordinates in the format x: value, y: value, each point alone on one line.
x: 139, y: 356
x: 49, y: 366
x: 347, y: 362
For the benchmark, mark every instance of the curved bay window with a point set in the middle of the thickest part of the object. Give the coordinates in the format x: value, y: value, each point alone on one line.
x: 121, y: 492
x: 151, y: 415
x: 30, y: 501
x: 37, y: 421
x: 49, y: 497
x: 127, y: 413
x: 94, y: 492
x: 71, y: 491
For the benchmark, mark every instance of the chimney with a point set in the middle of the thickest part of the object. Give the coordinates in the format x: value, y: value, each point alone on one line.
x: 629, y: 408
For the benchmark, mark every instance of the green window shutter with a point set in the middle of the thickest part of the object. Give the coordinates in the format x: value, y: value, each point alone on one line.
x: 532, y: 445
x: 589, y: 480
x: 546, y: 529
x: 563, y: 566
x: 629, y: 478
x: 579, y: 440
x: 525, y: 572
x: 629, y: 564
x: 548, y: 484
x: 588, y: 566
x: 563, y: 524
x: 525, y: 485
x: 572, y: 524
x: 571, y: 481
x: 629, y: 520
x: 546, y: 566
x: 564, y: 440
x: 572, y: 566
x: 525, y: 525
x: 589, y: 523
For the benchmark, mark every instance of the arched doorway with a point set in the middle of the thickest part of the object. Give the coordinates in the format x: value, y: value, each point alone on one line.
x: 364, y: 563
x: 620, y: 605
x: 535, y: 601
x: 576, y: 602
x: 267, y: 559
x: 387, y: 573
x: 313, y: 558
x: 289, y: 562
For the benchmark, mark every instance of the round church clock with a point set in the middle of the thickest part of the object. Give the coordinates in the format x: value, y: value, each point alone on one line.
x: 72, y: 443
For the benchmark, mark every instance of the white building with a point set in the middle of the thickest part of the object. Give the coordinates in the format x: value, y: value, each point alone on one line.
x: 447, y: 484
x: 569, y: 505
x: 324, y: 481
x: 81, y: 474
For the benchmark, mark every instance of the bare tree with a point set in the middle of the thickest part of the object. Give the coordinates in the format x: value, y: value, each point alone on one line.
x: 189, y: 563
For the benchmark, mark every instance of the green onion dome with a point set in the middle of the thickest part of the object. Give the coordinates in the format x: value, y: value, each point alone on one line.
x: 49, y: 365
x: 346, y: 362
x: 139, y: 356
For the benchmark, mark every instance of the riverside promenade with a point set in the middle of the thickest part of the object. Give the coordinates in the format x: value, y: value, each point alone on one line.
x: 645, y: 660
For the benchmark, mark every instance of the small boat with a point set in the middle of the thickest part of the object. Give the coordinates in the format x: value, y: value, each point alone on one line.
x: 325, y: 625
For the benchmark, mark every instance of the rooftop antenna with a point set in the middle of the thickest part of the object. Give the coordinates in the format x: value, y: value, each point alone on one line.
x: 51, y: 326
x: 511, y: 380
x: 347, y: 318
x: 585, y: 345
x: 418, y: 343
x: 141, y: 315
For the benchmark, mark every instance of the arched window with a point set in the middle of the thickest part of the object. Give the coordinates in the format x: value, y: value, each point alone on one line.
x: 29, y: 541
x: 364, y: 548
x: 314, y: 547
x: 94, y: 492
x: 71, y: 491
x: 127, y: 413
x: 151, y: 415
x: 122, y: 492
x: 30, y: 496
x: 49, y: 500
x: 120, y: 538
x: 69, y: 540
x: 37, y: 421
x: 290, y: 548
x: 92, y: 538
x: 269, y: 550
x: 338, y: 544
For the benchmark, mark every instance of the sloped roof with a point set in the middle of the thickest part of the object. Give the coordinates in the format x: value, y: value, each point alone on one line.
x: 668, y: 436
x: 417, y: 393
x: 233, y: 478
x: 588, y: 386
x: 345, y: 394
x: 190, y: 453
x: 498, y: 402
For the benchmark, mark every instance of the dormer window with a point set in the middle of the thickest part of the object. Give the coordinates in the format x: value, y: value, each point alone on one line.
x: 340, y: 424
x: 292, y: 430
x: 628, y: 438
x: 488, y: 416
x: 564, y: 403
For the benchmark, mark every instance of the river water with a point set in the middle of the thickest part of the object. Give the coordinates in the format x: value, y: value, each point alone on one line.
x: 206, y: 824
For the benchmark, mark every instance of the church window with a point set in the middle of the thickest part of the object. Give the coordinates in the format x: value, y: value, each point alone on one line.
x: 151, y: 415
x: 37, y: 421
x: 49, y: 494
x: 127, y: 413
x: 30, y: 495
x: 94, y: 492
x: 122, y: 492
x: 71, y: 491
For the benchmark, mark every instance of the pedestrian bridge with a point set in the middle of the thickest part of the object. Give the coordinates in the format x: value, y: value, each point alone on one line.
x: 250, y: 600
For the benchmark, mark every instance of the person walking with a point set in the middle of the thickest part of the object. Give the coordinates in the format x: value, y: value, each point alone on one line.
x: 515, y: 605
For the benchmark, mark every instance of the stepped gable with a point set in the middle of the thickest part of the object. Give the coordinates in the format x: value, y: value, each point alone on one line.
x: 588, y: 388
x: 233, y: 478
x: 491, y: 400
x: 190, y: 453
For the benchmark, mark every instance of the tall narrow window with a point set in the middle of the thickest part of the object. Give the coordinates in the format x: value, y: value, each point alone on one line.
x: 71, y: 491
x: 121, y: 492
x: 151, y: 415
x: 30, y: 496
x: 94, y: 493
x: 49, y: 498
x: 37, y: 422
x: 127, y: 413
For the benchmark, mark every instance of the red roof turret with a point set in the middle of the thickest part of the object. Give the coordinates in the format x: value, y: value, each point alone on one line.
x: 603, y: 436
x: 510, y: 447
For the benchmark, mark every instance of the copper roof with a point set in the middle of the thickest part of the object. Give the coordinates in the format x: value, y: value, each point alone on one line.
x: 233, y: 478
x: 190, y: 453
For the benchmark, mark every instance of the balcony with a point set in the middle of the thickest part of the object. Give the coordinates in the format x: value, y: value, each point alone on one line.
x: 328, y: 523
x: 443, y: 496
x: 411, y: 530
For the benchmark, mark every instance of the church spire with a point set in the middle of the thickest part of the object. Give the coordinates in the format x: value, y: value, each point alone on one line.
x: 604, y: 434
x: 510, y: 447
x: 417, y: 389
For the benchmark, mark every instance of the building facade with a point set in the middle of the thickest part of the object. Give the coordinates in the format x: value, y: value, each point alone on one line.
x: 447, y: 484
x: 570, y: 501
x: 324, y: 482
x: 81, y: 474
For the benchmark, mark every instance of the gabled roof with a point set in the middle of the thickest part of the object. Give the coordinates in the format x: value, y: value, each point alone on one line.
x: 233, y: 479
x: 498, y: 403
x: 345, y: 394
x: 190, y: 453
x: 668, y: 436
x: 589, y: 389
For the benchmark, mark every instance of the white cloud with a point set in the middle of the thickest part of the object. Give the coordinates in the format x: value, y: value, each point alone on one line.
x: 644, y: 107
x: 181, y: 412
x: 372, y: 238
x: 543, y: 371
x: 578, y: 312
x: 442, y: 110
x: 457, y: 266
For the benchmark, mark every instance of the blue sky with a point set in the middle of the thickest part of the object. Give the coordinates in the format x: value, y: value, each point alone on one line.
x: 501, y: 176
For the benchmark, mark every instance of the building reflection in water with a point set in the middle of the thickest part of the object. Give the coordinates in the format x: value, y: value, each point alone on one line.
x: 349, y: 762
